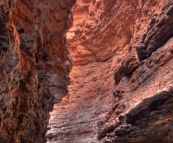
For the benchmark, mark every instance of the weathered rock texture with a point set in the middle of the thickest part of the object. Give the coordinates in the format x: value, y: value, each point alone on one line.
x: 34, y: 65
x: 123, y: 55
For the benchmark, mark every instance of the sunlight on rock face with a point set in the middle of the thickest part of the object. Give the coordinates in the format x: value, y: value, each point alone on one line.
x: 120, y: 88
x: 122, y: 54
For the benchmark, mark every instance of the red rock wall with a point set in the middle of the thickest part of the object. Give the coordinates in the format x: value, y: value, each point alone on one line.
x: 34, y: 65
x: 123, y: 53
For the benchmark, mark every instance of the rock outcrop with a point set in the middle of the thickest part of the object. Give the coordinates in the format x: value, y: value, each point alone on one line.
x: 123, y: 53
x: 34, y: 65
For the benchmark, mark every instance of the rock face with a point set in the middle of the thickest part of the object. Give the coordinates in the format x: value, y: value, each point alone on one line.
x: 123, y: 53
x: 34, y: 65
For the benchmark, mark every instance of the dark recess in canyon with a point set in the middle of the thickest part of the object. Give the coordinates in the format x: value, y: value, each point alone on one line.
x: 120, y: 87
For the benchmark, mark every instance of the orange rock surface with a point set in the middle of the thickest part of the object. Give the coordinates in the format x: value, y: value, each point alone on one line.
x: 122, y: 52
x: 34, y: 66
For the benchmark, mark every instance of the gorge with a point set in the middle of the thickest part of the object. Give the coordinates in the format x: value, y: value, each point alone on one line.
x: 102, y: 68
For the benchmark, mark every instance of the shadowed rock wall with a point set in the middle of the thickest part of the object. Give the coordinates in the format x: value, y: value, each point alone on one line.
x: 34, y: 65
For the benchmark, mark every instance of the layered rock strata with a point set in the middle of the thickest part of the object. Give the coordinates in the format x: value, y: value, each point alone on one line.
x: 123, y: 54
x: 34, y: 65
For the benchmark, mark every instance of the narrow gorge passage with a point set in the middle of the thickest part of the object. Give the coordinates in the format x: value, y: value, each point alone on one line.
x: 76, y: 117
x: 121, y: 87
x: 122, y: 53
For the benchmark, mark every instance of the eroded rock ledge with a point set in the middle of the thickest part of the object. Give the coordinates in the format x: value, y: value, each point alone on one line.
x: 123, y: 54
x: 34, y: 65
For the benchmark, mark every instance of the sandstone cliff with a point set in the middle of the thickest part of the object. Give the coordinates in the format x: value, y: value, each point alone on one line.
x: 123, y: 53
x: 34, y: 65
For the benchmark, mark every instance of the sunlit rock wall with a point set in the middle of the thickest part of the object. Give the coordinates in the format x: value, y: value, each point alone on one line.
x: 123, y: 53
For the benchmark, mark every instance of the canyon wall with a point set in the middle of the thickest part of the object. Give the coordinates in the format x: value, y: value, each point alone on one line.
x: 121, y: 87
x: 34, y: 65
